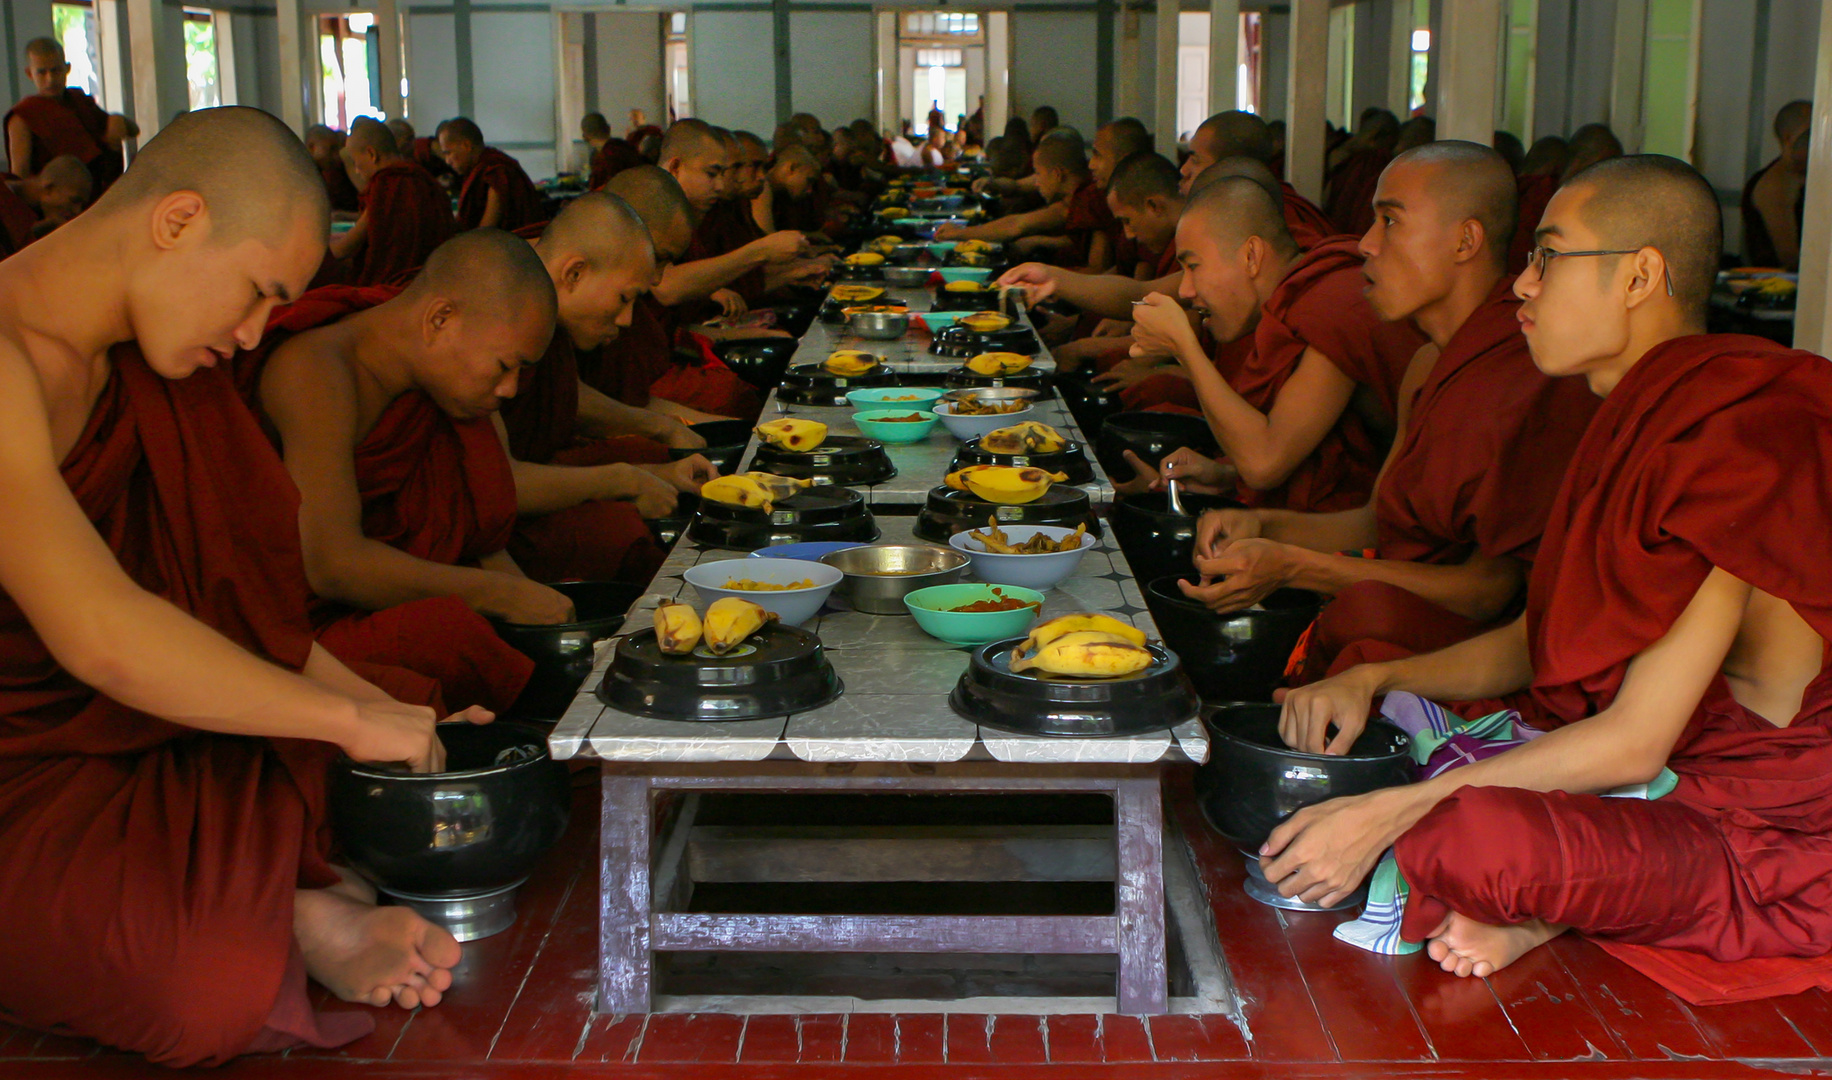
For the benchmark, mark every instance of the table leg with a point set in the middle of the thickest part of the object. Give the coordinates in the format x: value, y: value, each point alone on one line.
x: 624, y: 967
x: 1139, y: 898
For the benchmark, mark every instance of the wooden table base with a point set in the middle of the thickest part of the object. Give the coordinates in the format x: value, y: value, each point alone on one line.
x: 635, y: 921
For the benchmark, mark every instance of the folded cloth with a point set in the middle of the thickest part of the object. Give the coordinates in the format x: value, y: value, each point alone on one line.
x: 1443, y: 741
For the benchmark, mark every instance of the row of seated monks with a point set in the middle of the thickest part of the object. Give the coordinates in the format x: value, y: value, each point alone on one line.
x: 271, y: 525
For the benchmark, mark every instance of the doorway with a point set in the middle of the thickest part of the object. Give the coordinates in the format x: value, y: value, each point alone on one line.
x: 350, y: 77
x: 631, y: 66
x: 941, y: 64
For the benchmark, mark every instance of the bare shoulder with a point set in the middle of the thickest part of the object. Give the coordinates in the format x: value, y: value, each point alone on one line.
x: 310, y: 376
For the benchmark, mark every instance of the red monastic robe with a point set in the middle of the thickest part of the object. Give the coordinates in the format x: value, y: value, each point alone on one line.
x: 437, y: 488
x: 1350, y: 200
x: 1320, y: 305
x: 1476, y: 469
x: 340, y: 188
x: 613, y: 157
x: 409, y: 215
x: 644, y: 362
x: 498, y: 172
x: 725, y: 228
x: 71, y: 124
x: 147, y: 899
x: 17, y: 219
x: 1713, y: 451
x: 1535, y: 192
x: 425, y: 153
x: 1308, y: 224
x: 1088, y: 214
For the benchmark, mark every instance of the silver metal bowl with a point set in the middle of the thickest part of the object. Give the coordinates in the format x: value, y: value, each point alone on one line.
x: 878, y: 577
x: 879, y: 325
x: 906, y: 276
x: 989, y: 394
x: 908, y: 254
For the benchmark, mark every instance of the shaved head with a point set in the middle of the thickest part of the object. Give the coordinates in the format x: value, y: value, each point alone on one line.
x: 1234, y: 208
x: 594, y: 126
x: 690, y: 139
x: 1588, y: 145
x: 370, y: 134
x: 600, y: 228
x: 487, y: 270
x: 1650, y: 200
x: 67, y: 180
x: 1251, y: 168
x: 1415, y: 132
x: 45, y: 48
x: 254, y: 177
x: 749, y: 140
x: 1377, y: 124
x: 1142, y: 176
x: 319, y: 135
x: 658, y: 200
x: 1234, y: 133
x: 1546, y: 157
x: 1471, y: 181
x: 403, y: 133
x: 1062, y: 149
x: 1128, y: 136
x: 463, y: 129
x: 1792, y: 119
x: 600, y: 258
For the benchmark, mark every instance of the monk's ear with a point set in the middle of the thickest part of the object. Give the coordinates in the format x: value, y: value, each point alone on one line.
x: 1470, y: 236
x: 572, y: 272
x: 1647, y: 276
x: 177, y: 214
x: 439, y: 316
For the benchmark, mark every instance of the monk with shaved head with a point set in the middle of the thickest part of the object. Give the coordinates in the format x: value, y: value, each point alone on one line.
x: 1774, y: 200
x: 405, y: 213
x: 493, y: 190
x: 382, y: 402
x: 325, y: 144
x: 1235, y: 134
x: 421, y: 150
x: 168, y: 716
x: 1283, y: 418
x: 1114, y: 143
x: 1674, y: 645
x: 609, y: 154
x: 1354, y: 169
x: 1064, y: 230
x: 1482, y: 442
x: 57, y: 120
x: 791, y: 178
x: 1587, y: 146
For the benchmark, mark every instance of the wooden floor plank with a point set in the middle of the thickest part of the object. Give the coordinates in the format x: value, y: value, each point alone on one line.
x: 707, y: 1038
x: 1364, y: 1011
x: 871, y: 1039
x: 549, y: 1016
x: 771, y: 1038
x: 616, y: 1039
x: 1650, y: 1023
x: 1811, y: 1015
x: 1196, y: 1038
x: 1460, y: 1016
x: 1550, y: 1012
x: 1017, y: 1040
x: 1075, y: 1040
x: 823, y: 1038
x: 922, y: 1038
x: 1122, y: 1039
x: 969, y: 1039
x: 1751, y: 1029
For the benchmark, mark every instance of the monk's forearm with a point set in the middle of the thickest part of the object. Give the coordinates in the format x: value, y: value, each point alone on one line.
x: 683, y: 413
x: 1110, y: 296
x: 602, y: 416
x: 701, y: 278
x: 351, y: 240
x: 544, y: 489
x: 325, y: 669
x: 373, y: 576
x: 1486, y: 666
x: 1344, y: 530
x: 1479, y: 590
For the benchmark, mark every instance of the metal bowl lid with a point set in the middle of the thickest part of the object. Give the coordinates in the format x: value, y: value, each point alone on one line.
x: 961, y: 378
x: 776, y: 671
x: 811, y: 506
x: 815, y: 376
x: 1028, y: 703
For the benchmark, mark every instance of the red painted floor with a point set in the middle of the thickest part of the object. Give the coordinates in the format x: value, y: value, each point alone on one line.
x: 1315, y: 1008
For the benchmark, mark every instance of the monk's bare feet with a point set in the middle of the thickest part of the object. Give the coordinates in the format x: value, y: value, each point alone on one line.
x: 1465, y: 947
x: 371, y: 954
x: 353, y: 886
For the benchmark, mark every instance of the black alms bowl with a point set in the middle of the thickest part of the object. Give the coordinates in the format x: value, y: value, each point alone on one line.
x: 1252, y: 780
x: 1150, y: 435
x: 473, y: 829
x: 1235, y: 657
x: 1156, y: 540
x: 562, y: 653
x: 758, y: 361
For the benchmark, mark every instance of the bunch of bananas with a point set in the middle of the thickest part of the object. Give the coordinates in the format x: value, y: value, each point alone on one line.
x: 758, y: 490
x: 998, y: 363
x: 789, y: 433
x: 1002, y: 483
x: 856, y: 294
x: 850, y: 363
x: 894, y: 212
x: 973, y: 247
x: 985, y: 322
x: 679, y: 629
x: 1089, y: 646
x: 1029, y: 437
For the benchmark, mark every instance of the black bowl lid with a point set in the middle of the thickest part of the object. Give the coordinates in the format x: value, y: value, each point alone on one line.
x: 776, y: 671
x: 960, y: 378
x: 1254, y: 727
x: 821, y: 505
x: 1070, y: 459
x: 723, y: 432
x: 842, y: 459
x: 816, y: 377
x: 600, y: 605
x: 1175, y: 425
x: 991, y: 694
x: 948, y: 511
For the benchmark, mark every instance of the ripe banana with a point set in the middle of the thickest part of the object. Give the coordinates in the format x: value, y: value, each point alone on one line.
x: 958, y: 478
x: 738, y: 491
x: 730, y: 620
x: 848, y: 362
x: 1003, y: 484
x: 791, y: 434
x: 998, y: 363
x: 677, y: 628
x: 1029, y: 437
x: 985, y: 322
x: 779, y: 487
x: 1091, y: 654
x: 1051, y: 629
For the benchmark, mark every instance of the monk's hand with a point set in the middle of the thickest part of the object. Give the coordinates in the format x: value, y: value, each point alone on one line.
x: 1144, y: 477
x: 1324, y: 852
x: 1112, y: 328
x: 1037, y: 280
x: 656, y: 489
x: 686, y: 475
x: 731, y: 305
x: 1217, y: 527
x: 1160, y: 327
x: 782, y: 245
x: 1241, y: 574
x: 1341, y: 702
x: 396, y: 733
x: 949, y: 232
x: 530, y: 603
x: 1194, y: 471
x: 679, y: 436
x: 1128, y: 373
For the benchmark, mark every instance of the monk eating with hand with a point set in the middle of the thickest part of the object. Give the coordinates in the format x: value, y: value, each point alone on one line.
x: 424, y: 152
x: 493, y: 190
x: 405, y: 213
x: 1482, y: 442
x: 1283, y: 419
x: 168, y: 714
x: 1060, y: 164
x: 1678, y: 619
x: 58, y: 119
x: 609, y: 154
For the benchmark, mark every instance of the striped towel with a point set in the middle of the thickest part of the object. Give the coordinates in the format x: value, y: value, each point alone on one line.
x: 1442, y: 741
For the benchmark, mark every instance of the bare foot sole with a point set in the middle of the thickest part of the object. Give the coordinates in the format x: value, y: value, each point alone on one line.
x: 371, y: 954
x: 1465, y: 947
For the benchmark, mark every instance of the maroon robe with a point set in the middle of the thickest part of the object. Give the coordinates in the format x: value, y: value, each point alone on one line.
x: 1308, y: 224
x: 1349, y: 203
x: 409, y: 215
x: 608, y: 160
x: 425, y: 153
x: 1713, y: 451
x: 17, y: 219
x: 147, y: 897
x: 437, y: 488
x: 1088, y: 214
x: 70, y: 124
x: 340, y: 188
x: 498, y: 172
x: 1535, y: 192
x: 628, y: 367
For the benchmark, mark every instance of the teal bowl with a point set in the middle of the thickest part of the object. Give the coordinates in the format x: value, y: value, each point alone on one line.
x: 941, y: 249
x: 937, y: 321
x: 879, y: 398
x: 930, y: 608
x: 894, y: 431
x: 965, y: 273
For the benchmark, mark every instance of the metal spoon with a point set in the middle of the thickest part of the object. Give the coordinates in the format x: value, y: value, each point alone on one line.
x: 1176, y: 503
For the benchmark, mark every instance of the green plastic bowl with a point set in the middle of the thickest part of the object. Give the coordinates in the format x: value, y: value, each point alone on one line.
x: 965, y: 273
x: 930, y: 609
x: 879, y: 398
x: 892, y: 431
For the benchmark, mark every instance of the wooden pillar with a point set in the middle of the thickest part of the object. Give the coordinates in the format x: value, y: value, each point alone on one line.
x: 785, y: 97
x: 1627, y: 73
x: 1472, y: 46
x: 1813, y: 311
x: 1399, y: 58
x: 998, y: 72
x: 145, y: 29
x: 1103, y: 61
x: 293, y: 94
x: 1224, y: 55
x: 388, y: 43
x: 890, y: 72
x: 1164, y: 106
x: 1308, y: 58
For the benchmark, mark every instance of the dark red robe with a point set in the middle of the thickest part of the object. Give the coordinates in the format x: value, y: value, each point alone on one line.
x: 1320, y: 305
x: 628, y: 367
x: 340, y: 188
x: 1307, y: 223
x: 1088, y: 214
x: 1535, y: 192
x: 147, y: 896
x: 725, y: 228
x: 1476, y: 469
x: 1713, y: 451
x: 1349, y: 203
x: 437, y: 488
x: 425, y: 153
x: 498, y: 172
x: 613, y: 157
x: 409, y: 215
x: 17, y: 219
x: 71, y: 124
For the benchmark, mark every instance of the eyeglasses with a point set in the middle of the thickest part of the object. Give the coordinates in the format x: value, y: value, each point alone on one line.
x: 1540, y: 256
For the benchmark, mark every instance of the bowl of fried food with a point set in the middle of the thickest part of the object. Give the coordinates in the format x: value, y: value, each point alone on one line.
x: 970, y: 414
x: 1037, y: 557
x: 793, y: 589
x: 974, y: 614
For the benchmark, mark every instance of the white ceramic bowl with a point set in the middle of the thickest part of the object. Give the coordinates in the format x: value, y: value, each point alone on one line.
x: 1040, y: 572
x: 968, y: 428
x: 792, y: 606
